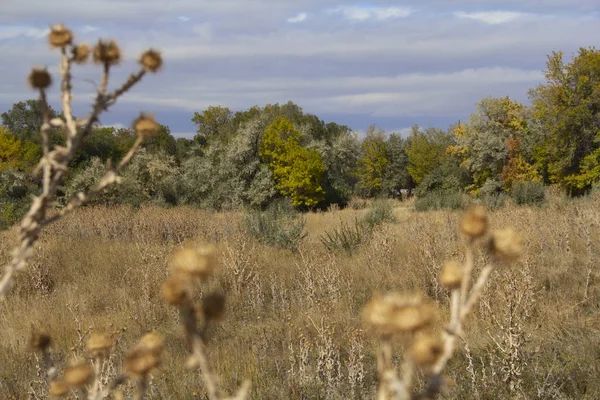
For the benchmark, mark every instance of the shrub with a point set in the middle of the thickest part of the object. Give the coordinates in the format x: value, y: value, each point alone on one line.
x: 346, y: 238
x: 492, y: 195
x: 279, y: 225
x: 529, y: 193
x: 15, y: 191
x: 439, y: 200
x: 381, y: 211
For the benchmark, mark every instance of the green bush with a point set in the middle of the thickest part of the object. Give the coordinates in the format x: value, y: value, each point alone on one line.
x: 279, y: 225
x: 439, y: 200
x: 381, y: 211
x: 492, y: 195
x: 529, y: 193
x: 16, y: 190
x: 346, y: 238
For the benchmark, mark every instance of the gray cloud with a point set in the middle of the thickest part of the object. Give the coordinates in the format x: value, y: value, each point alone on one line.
x: 394, y: 62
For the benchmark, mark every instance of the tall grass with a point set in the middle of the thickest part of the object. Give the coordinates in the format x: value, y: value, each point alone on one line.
x: 292, y: 322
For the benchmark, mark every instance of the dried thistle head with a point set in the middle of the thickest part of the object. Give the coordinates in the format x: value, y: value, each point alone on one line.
x: 60, y: 36
x: 99, y: 344
x: 398, y: 313
x: 151, y: 60
x: 81, y: 53
x: 196, y: 261
x: 58, y: 388
x: 452, y: 275
x: 426, y: 350
x: 40, y: 339
x: 152, y: 342
x: 506, y: 244
x: 107, y: 52
x: 39, y: 78
x: 213, y: 306
x: 145, y: 125
x: 474, y: 223
x: 77, y: 374
x: 140, y: 361
x: 176, y: 290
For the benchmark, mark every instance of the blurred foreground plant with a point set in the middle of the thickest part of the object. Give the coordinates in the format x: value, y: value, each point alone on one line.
x: 54, y: 163
x: 410, y: 316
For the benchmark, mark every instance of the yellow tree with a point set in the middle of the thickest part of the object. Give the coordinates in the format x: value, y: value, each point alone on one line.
x: 298, y: 172
x: 374, y: 162
x: 10, y: 151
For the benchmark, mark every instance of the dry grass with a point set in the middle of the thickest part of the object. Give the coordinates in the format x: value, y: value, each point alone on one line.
x: 292, y: 323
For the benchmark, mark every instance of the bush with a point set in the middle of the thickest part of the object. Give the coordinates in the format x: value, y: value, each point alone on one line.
x: 439, y: 200
x: 279, y: 225
x: 346, y: 238
x: 15, y: 196
x: 492, y: 195
x: 381, y: 211
x: 529, y: 193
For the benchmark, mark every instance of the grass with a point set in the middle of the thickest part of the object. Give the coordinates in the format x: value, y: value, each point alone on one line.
x: 292, y: 322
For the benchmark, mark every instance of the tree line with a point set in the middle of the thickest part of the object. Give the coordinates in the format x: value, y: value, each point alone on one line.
x: 249, y: 158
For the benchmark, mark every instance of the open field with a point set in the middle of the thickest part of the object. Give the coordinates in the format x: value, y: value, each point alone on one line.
x: 292, y: 322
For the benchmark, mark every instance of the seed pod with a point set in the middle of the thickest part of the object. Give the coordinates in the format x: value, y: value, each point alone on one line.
x: 39, y: 78
x: 81, y: 53
x: 152, y: 342
x: 77, y: 374
x: 213, y: 306
x: 397, y: 313
x: 452, y: 274
x: 99, y: 344
x: 474, y: 223
x: 151, y: 60
x: 145, y: 125
x: 60, y: 36
x: 39, y: 340
x: 58, y: 388
x: 140, y: 361
x: 176, y: 289
x: 107, y: 53
x: 426, y: 350
x: 506, y: 244
x: 199, y: 262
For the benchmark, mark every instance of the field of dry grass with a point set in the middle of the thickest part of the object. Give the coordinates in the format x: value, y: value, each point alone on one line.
x: 292, y: 323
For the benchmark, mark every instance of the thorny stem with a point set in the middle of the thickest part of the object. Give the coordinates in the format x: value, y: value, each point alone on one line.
x: 55, y: 166
x: 45, y: 132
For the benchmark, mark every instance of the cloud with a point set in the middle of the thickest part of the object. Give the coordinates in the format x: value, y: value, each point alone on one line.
x: 15, y: 31
x: 353, y: 64
x: 89, y: 28
x: 359, y: 13
x: 298, y: 18
x: 492, y: 17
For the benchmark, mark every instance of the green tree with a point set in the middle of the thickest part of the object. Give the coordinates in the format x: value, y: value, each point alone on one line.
x: 212, y: 122
x: 374, y: 162
x: 426, y: 151
x: 396, y: 176
x: 25, y: 118
x: 298, y: 171
x: 568, y: 108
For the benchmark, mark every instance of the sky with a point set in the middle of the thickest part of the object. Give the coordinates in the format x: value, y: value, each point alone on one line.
x: 389, y: 63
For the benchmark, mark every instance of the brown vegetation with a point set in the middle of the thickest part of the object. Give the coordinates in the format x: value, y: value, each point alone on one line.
x: 292, y: 322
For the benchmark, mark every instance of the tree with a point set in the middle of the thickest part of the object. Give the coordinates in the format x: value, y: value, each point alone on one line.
x: 396, y: 177
x: 496, y: 143
x: 24, y: 120
x: 102, y: 143
x: 374, y: 162
x: 10, y: 150
x: 426, y: 151
x: 298, y: 172
x: 212, y: 122
x: 568, y: 108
